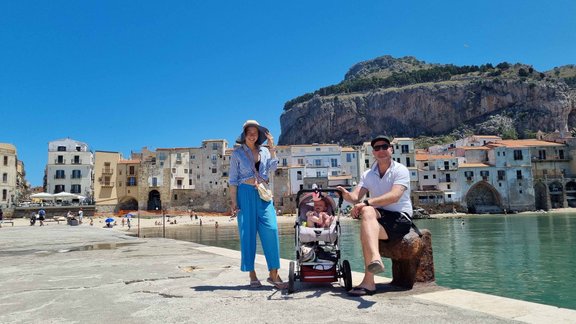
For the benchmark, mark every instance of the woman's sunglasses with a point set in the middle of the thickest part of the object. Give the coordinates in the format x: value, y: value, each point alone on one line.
x: 381, y: 147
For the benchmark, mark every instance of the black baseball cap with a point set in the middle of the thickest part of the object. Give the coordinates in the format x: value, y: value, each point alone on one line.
x: 379, y: 138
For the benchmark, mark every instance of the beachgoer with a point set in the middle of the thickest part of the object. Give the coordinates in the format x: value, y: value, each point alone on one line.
x: 80, y: 215
x: 1, y: 217
x: 200, y: 221
x: 384, y: 216
x: 216, y: 225
x: 123, y: 221
x: 41, y: 216
x: 250, y: 163
x: 33, y: 219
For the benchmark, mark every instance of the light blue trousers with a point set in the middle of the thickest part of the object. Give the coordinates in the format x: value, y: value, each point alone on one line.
x: 257, y: 216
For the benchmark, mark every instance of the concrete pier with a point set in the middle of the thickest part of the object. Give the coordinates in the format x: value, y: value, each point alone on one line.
x: 82, y: 274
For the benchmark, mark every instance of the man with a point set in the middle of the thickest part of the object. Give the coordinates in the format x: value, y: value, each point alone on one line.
x: 386, y: 215
x: 80, y: 216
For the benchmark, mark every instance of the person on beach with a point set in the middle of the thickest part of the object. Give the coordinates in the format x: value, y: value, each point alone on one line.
x: 41, y: 216
x: 80, y: 215
x: 250, y: 164
x: 1, y: 217
x: 386, y: 215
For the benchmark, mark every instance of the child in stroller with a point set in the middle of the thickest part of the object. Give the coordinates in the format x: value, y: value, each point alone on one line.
x: 320, y: 216
x: 316, y: 243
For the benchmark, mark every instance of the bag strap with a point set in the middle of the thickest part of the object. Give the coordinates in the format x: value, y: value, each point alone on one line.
x: 256, y: 173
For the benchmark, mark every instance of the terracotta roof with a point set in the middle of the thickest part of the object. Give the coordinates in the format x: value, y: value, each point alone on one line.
x: 427, y: 157
x: 525, y: 143
x: 471, y: 148
x: 473, y: 165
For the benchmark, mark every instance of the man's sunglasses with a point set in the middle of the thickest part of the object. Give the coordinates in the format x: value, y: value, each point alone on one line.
x: 381, y: 147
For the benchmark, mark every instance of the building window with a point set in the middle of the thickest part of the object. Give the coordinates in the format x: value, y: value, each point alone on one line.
x: 299, y: 175
x: 334, y: 162
x: 405, y: 149
x: 334, y: 173
x: 484, y: 175
x: 173, y: 170
x: 448, y: 186
x: 4, y: 177
x: 76, y: 174
x: 60, y: 159
x: 214, y: 146
x: 501, y: 175
x: 61, y: 149
x: 317, y: 162
x: 426, y: 177
x: 76, y: 188
x: 284, y: 162
x: 4, y: 194
x: 561, y: 154
x: 518, y: 174
x: 60, y: 174
x: 185, y: 170
x: 213, y: 170
x: 154, y: 182
x: 189, y: 182
x: 300, y: 161
x: 518, y: 155
x: 131, y: 170
x: 348, y: 157
x: 131, y: 181
x: 76, y: 159
x: 5, y: 160
x: 179, y: 182
x: 469, y: 175
x: 318, y: 174
x: 433, y: 176
x: 59, y: 188
x: 542, y: 154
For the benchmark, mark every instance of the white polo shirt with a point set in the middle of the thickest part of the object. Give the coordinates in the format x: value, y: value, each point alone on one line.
x: 396, y: 174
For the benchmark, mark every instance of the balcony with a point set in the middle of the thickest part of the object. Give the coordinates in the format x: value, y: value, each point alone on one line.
x: 131, y: 183
x: 107, y: 171
x: 59, y: 161
x: 76, y: 161
x: 59, y: 176
x: 107, y: 184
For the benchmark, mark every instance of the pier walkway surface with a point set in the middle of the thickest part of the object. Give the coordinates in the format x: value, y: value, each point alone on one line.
x: 63, y: 274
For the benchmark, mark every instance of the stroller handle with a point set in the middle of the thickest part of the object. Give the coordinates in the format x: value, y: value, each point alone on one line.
x: 303, y: 191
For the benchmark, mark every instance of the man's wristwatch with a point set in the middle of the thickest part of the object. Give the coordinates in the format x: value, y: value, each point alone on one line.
x: 366, y: 202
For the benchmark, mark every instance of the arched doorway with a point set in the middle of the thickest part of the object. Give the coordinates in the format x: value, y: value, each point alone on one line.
x: 571, y: 193
x: 540, y: 196
x: 127, y: 203
x: 556, y: 194
x: 154, y: 202
x: 483, y: 198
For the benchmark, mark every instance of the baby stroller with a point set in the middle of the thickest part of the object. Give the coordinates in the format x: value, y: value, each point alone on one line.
x: 317, y: 249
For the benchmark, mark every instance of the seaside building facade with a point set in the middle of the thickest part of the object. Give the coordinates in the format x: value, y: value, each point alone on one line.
x: 69, y: 168
x: 105, y: 184
x: 12, y: 183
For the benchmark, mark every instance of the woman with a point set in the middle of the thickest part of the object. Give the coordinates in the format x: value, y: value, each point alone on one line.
x: 250, y: 164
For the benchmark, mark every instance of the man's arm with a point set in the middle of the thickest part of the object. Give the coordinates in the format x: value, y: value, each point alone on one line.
x: 388, y: 198
x: 354, y: 196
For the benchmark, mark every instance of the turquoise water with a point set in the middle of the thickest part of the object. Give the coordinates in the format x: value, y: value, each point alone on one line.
x: 527, y: 257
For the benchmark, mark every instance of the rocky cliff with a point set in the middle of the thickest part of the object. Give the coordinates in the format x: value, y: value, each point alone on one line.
x: 455, y: 97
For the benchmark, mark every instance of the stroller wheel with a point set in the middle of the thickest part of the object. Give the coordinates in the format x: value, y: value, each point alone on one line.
x: 347, y: 275
x: 291, y: 278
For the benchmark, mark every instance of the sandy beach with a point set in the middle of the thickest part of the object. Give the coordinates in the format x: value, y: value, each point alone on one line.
x: 150, y: 220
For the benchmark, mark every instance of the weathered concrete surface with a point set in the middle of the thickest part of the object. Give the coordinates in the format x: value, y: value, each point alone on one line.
x: 62, y: 274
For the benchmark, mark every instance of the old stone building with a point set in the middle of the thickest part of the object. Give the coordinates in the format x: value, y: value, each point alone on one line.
x: 9, y: 181
x: 69, y: 168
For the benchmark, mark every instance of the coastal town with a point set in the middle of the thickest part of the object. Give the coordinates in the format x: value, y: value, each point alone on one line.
x: 476, y: 174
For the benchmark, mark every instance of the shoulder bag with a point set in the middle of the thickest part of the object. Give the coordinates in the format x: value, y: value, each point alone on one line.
x: 264, y: 190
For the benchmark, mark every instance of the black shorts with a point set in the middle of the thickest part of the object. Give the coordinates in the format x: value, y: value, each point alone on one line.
x: 395, y: 223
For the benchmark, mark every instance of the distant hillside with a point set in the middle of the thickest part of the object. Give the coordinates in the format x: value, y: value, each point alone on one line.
x: 407, y: 97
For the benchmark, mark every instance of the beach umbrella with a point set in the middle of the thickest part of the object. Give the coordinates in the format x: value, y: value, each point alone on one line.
x: 109, y: 220
x: 128, y: 215
x: 63, y: 195
x: 42, y: 195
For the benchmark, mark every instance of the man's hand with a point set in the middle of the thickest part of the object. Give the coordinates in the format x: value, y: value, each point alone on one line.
x: 345, y: 193
x: 357, y: 210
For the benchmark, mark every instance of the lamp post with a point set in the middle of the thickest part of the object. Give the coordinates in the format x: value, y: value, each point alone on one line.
x: 138, y: 221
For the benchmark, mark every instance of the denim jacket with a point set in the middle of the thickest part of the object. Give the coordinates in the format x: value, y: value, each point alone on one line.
x: 242, y: 165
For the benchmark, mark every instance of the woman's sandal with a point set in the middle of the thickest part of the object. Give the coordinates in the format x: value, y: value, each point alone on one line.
x: 255, y: 284
x: 277, y: 284
x: 361, y: 291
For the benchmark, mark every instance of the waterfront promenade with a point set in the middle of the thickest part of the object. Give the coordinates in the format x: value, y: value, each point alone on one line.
x: 63, y: 274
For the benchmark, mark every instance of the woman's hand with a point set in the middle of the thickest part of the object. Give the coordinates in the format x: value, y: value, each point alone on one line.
x: 270, y: 138
x: 234, y: 208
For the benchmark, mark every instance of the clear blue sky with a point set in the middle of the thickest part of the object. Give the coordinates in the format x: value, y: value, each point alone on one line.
x: 120, y: 75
